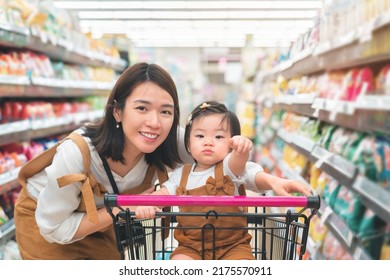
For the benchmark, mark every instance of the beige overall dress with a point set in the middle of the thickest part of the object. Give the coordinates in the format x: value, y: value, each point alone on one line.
x: 98, y: 246
x: 229, y: 244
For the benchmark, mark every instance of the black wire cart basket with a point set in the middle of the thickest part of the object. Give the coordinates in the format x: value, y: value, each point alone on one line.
x: 276, y: 234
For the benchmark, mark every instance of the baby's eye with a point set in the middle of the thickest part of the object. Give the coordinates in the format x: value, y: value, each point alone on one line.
x: 199, y: 136
x: 219, y: 137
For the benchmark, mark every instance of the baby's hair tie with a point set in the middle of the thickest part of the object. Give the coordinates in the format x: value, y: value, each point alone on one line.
x: 204, y: 106
x: 189, y: 120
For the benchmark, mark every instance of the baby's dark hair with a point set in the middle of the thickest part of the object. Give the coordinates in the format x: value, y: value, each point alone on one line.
x: 210, y: 108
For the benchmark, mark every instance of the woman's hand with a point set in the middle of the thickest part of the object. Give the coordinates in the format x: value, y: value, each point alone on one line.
x: 146, y: 212
x: 148, y: 191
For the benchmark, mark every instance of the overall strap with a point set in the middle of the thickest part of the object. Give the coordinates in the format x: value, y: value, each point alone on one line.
x: 242, y: 190
x: 36, y: 165
x: 149, y: 175
x: 84, y: 149
x: 109, y: 174
x: 162, y: 175
x: 86, y: 179
x: 184, y: 177
x: 218, y: 174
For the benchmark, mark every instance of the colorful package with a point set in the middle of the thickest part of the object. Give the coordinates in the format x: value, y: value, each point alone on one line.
x: 372, y: 233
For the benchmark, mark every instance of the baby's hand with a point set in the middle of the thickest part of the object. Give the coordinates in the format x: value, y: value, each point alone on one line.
x: 146, y: 212
x: 241, y: 144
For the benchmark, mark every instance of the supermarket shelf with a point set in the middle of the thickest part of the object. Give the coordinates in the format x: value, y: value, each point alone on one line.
x: 276, y: 154
x: 41, y: 128
x: 298, y: 108
x: 368, y: 114
x: 290, y: 173
x: 55, y: 48
x: 373, y: 196
x: 335, y: 224
x: 7, y: 231
x: 313, y: 250
x: 336, y: 166
x: 349, y: 50
x: 284, y: 135
x: 22, y: 86
x: 266, y: 136
x: 342, y: 232
x: 346, y: 173
x: 304, y: 146
x: 266, y: 162
x: 8, y: 180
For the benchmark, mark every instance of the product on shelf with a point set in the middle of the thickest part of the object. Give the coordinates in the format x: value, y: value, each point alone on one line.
x: 10, y: 251
x: 3, y: 216
x: 382, y: 158
x: 382, y: 81
x: 349, y: 207
x: 371, y: 233
x: 385, y: 251
x: 330, y: 193
x: 349, y: 84
x: 364, y: 83
x: 317, y: 231
x: 333, y: 250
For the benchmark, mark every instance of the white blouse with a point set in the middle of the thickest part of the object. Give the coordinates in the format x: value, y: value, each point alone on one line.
x: 55, y: 214
x: 199, y: 178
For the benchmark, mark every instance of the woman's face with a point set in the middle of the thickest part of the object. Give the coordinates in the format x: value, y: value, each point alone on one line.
x: 209, y: 140
x: 146, y: 118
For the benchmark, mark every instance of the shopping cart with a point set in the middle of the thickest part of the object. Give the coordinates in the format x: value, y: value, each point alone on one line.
x: 275, y: 235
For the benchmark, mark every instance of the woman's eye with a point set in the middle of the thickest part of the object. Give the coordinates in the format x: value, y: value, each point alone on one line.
x: 167, y: 112
x: 141, y: 108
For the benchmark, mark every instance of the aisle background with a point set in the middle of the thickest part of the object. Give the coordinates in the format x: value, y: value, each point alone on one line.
x: 200, y: 42
x: 309, y: 80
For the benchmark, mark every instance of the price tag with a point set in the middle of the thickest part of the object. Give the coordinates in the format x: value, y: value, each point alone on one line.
x: 366, y: 34
x: 349, y: 238
x: 43, y: 37
x: 357, y: 255
x: 325, y: 215
x: 322, y: 159
x: 334, y: 112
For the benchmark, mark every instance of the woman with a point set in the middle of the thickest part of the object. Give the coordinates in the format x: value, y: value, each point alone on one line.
x: 138, y: 131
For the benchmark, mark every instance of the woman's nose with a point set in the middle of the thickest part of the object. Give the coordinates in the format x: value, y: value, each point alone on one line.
x: 154, y: 119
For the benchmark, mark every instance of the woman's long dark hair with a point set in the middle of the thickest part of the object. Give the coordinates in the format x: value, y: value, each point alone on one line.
x: 109, y: 140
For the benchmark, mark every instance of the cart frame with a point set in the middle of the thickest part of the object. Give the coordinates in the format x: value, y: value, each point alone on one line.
x: 275, y: 235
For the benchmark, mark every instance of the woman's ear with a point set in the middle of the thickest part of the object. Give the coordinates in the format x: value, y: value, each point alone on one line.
x: 117, y: 113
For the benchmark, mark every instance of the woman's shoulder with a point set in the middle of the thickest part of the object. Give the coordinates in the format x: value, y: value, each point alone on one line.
x: 70, y: 149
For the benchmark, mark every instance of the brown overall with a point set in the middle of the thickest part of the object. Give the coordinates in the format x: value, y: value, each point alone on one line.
x: 232, y: 244
x: 99, y: 245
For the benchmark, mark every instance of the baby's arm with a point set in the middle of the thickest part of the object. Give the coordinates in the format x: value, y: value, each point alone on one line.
x: 149, y: 212
x: 280, y: 186
x: 241, y: 148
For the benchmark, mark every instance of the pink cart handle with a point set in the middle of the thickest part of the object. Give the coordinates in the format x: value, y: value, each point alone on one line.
x: 112, y: 200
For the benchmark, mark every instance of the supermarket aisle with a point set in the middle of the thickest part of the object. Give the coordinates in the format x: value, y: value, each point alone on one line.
x: 323, y: 118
